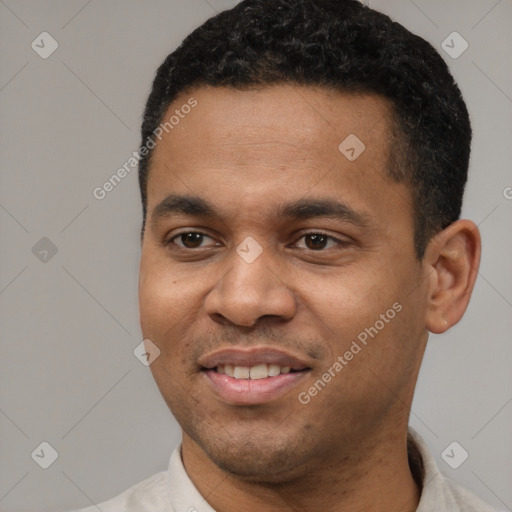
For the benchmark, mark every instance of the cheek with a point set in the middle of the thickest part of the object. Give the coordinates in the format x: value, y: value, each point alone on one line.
x: 366, y: 317
x: 170, y: 303
x: 161, y: 297
x: 348, y: 302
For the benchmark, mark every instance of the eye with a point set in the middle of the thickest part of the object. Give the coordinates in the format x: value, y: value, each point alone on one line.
x: 317, y: 241
x: 192, y: 240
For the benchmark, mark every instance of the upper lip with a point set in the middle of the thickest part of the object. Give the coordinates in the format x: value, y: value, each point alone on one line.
x: 251, y: 357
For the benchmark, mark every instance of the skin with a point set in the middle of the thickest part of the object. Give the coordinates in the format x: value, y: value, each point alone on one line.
x: 246, y: 153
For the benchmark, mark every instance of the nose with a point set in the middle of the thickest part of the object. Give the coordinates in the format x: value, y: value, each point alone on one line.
x: 247, y: 292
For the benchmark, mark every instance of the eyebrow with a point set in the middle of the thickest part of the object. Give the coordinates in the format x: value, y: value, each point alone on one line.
x: 180, y: 204
x: 311, y: 208
x: 301, y: 209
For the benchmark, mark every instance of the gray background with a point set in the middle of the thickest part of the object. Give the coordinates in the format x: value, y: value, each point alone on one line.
x: 70, y: 324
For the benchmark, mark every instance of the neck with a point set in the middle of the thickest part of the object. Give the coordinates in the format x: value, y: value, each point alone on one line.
x: 362, y: 479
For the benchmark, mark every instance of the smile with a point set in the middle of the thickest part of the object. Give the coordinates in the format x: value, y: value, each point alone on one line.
x: 259, y: 371
x: 252, y: 376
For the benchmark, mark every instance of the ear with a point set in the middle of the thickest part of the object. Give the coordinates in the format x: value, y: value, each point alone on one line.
x: 452, y: 258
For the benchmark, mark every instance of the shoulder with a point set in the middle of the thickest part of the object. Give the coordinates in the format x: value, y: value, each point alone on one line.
x: 439, y: 493
x: 460, y: 498
x: 146, y: 496
x: 166, y: 491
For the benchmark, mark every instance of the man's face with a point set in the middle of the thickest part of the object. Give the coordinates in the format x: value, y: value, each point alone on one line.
x: 265, y: 248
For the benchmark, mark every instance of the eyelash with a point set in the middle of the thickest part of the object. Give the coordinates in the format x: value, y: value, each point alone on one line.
x: 171, y: 241
x: 339, y: 243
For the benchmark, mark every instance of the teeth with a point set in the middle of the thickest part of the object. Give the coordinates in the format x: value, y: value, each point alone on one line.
x: 274, y: 370
x: 259, y: 371
x: 241, y: 372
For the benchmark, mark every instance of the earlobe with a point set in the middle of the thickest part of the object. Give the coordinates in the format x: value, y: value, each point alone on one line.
x: 453, y: 257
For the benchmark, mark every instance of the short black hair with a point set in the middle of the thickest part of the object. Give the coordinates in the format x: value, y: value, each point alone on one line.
x: 345, y: 46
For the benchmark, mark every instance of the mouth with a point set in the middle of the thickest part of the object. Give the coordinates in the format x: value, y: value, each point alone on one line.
x: 252, y: 376
x: 256, y: 372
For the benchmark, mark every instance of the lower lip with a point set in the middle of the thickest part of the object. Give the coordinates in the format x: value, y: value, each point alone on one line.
x: 252, y: 391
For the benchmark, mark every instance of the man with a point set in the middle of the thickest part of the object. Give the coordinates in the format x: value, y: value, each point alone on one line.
x: 302, y: 170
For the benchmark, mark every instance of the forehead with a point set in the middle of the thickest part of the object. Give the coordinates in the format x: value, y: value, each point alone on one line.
x: 279, y: 114
x: 284, y: 138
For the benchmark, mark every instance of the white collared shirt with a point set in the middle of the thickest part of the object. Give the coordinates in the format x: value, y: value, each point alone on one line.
x: 173, y: 491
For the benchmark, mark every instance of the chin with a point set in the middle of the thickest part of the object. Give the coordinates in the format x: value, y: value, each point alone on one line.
x: 259, y: 458
x: 259, y: 468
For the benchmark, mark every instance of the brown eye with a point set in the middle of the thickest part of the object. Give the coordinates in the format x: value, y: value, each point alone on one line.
x: 316, y: 241
x: 191, y: 240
